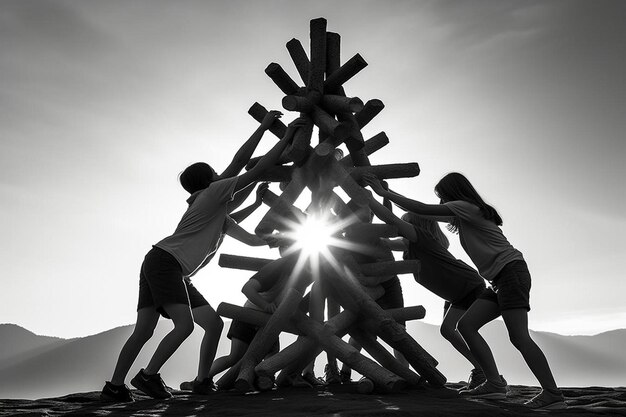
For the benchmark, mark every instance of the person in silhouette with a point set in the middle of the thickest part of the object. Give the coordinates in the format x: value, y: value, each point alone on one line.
x: 440, y: 272
x: 477, y: 224
x: 165, y: 287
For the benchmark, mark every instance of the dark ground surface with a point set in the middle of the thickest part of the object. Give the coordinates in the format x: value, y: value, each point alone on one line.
x: 338, y: 401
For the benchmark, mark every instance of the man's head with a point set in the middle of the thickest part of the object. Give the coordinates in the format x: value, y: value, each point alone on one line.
x: 197, y: 177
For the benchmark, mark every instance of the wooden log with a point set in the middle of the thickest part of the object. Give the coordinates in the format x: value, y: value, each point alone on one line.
x: 258, y: 112
x: 348, y: 70
x: 371, y: 231
x: 373, y: 144
x: 391, y: 268
x: 248, y: 315
x: 333, y: 55
x: 281, y: 79
x: 352, y: 296
x: 318, y: 55
x: 383, y: 356
x: 387, y: 380
x: 265, y: 339
x: 277, y: 173
x: 247, y: 263
x: 288, y: 211
x: 341, y: 104
x: 295, y: 357
x: 387, y: 171
x: 369, y: 111
x: 272, y: 218
x: 329, y: 125
x: 299, y: 58
x: 347, y: 183
x: 297, y: 103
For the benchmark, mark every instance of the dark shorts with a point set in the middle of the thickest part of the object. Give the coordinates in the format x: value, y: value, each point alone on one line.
x: 465, y: 302
x: 161, y: 283
x: 393, y: 297
x: 246, y: 332
x: 511, y: 287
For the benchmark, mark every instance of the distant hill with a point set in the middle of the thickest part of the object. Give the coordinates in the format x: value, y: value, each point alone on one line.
x: 34, y: 366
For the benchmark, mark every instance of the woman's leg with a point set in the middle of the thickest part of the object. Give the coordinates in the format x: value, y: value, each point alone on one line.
x: 450, y: 332
x: 183, y: 327
x: 237, y: 349
x: 480, y: 313
x: 147, y: 319
x: 516, y: 321
x: 212, y: 324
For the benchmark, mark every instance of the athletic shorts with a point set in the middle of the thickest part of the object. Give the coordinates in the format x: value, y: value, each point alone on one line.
x: 246, y: 332
x: 161, y: 283
x: 392, y: 298
x: 465, y: 302
x: 511, y: 287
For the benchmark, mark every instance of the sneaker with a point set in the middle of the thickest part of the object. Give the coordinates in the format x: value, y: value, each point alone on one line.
x: 547, y: 400
x: 151, y: 385
x: 313, y: 380
x: 488, y: 390
x: 476, y: 378
x: 204, y: 387
x: 344, y: 375
x: 331, y: 375
x: 117, y: 393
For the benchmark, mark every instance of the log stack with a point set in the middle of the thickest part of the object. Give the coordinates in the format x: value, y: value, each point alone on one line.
x: 321, y: 169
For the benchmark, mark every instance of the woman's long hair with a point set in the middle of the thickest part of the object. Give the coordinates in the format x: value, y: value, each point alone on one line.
x: 455, y: 186
x: 430, y: 226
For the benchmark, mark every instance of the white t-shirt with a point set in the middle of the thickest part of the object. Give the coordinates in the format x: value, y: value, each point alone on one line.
x: 483, y: 240
x: 200, y: 231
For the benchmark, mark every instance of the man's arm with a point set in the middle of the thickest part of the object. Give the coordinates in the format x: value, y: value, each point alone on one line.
x: 240, y: 197
x: 438, y: 212
x: 244, y: 153
x: 251, y: 290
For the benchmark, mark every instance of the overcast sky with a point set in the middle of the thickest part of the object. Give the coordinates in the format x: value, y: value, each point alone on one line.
x: 102, y: 104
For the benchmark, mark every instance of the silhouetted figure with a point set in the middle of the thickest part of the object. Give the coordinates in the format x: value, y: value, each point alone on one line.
x: 440, y: 272
x: 477, y: 224
x: 165, y: 287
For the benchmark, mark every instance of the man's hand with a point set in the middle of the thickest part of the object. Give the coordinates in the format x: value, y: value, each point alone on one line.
x: 270, y: 308
x: 260, y: 190
x: 270, y: 118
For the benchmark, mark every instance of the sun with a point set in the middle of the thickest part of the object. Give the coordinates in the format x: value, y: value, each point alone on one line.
x: 314, y: 235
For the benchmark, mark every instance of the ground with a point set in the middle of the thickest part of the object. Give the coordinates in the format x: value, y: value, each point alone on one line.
x: 338, y: 401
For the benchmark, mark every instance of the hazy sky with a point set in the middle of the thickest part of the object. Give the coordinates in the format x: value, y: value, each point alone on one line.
x: 102, y: 104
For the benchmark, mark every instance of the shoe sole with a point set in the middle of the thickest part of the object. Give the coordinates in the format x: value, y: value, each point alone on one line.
x: 490, y: 396
x: 157, y: 395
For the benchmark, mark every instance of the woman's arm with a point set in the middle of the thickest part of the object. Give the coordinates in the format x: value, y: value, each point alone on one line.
x: 242, y: 214
x: 405, y: 229
x: 271, y: 157
x: 251, y: 290
x: 244, y: 153
x: 237, y: 232
x: 437, y: 211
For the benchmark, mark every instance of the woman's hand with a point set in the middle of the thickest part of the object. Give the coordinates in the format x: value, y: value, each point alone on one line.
x: 373, y: 182
x: 270, y: 118
x: 261, y: 189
